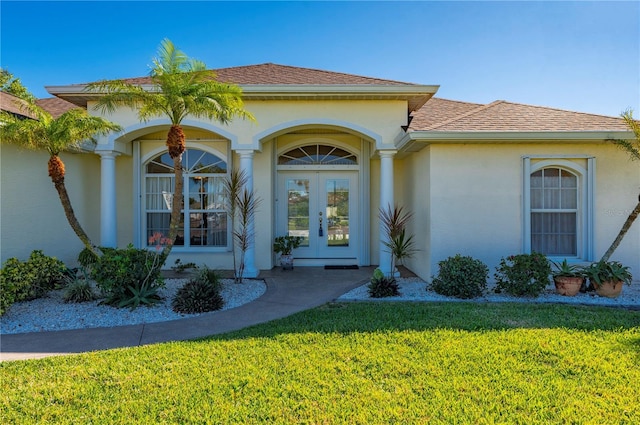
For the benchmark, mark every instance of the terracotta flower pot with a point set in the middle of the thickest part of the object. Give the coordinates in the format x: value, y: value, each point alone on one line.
x: 609, y: 288
x: 568, y: 286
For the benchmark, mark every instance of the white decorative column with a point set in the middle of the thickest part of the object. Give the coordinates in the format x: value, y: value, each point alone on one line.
x: 108, y: 211
x: 386, y: 200
x: 246, y: 165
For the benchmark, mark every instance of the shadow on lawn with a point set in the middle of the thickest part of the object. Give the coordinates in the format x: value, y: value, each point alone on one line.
x: 376, y: 317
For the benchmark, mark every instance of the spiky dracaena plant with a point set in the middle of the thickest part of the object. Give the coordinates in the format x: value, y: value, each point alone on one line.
x: 400, y: 245
x: 244, y: 235
x: 632, y: 147
x: 242, y: 206
x: 67, y: 132
x: 182, y: 87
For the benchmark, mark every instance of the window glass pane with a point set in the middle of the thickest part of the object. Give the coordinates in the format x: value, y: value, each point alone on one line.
x: 536, y: 198
x: 317, y: 155
x: 208, y: 229
x: 337, y: 212
x: 551, y: 198
x: 298, y: 209
x: 554, y: 233
x: 203, y: 162
x: 204, y: 201
x: 569, y: 198
x: 159, y: 223
x: 159, y: 193
x: 160, y: 164
x: 568, y: 179
x: 536, y: 179
x: 551, y: 177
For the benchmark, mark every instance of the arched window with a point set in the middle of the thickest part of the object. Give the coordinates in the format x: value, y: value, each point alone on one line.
x: 204, y: 218
x: 558, y: 206
x: 317, y: 155
x: 554, y: 212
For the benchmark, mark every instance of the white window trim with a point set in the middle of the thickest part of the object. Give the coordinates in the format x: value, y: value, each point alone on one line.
x: 586, y: 189
x: 140, y: 222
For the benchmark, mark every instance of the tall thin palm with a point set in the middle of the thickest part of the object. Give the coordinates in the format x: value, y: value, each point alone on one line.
x: 67, y: 132
x: 632, y: 147
x: 182, y: 86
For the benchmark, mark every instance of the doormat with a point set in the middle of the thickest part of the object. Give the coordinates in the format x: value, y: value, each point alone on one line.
x: 350, y: 267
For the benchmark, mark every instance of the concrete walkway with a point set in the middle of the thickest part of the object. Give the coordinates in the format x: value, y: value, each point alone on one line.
x: 288, y: 292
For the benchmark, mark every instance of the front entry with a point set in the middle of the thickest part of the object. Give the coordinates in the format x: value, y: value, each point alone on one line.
x: 322, y: 208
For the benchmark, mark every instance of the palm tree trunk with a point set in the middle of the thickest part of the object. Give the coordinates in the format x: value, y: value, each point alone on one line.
x: 625, y: 228
x: 56, y: 172
x: 176, y: 146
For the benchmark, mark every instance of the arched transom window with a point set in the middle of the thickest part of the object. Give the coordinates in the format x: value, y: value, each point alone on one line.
x: 204, y: 218
x: 317, y: 154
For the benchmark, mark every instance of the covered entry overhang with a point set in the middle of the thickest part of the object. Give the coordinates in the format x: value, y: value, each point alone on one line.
x: 372, y: 113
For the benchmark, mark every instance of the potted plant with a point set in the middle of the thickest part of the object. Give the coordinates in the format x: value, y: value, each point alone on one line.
x: 568, y: 278
x: 284, y: 245
x: 607, y: 277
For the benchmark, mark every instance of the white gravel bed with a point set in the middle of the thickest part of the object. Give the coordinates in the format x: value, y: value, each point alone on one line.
x: 53, y: 314
x: 415, y: 289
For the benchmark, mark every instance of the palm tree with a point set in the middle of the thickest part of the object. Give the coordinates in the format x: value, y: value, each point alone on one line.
x: 632, y: 147
x: 182, y: 86
x: 67, y: 132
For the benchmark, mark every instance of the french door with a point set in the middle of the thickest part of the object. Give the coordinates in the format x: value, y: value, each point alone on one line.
x: 322, y: 208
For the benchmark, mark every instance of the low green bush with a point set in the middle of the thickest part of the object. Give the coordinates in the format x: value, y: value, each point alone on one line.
x: 382, y: 286
x: 461, y: 277
x: 25, y: 280
x: 200, y: 294
x: 128, y: 277
x: 523, y: 274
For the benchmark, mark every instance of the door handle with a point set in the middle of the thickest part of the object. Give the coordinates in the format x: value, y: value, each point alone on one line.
x: 320, y: 234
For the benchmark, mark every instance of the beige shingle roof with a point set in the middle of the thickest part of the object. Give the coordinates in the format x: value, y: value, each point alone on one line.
x: 437, y: 111
x: 507, y: 116
x: 55, y: 106
x: 437, y: 115
x: 13, y: 105
x: 270, y: 73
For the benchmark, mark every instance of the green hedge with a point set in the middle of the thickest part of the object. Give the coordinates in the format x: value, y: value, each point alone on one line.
x: 25, y: 280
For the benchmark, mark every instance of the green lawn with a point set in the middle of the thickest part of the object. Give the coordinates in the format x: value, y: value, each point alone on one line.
x: 356, y: 363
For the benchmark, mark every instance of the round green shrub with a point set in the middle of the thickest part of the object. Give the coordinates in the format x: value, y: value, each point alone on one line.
x: 198, y: 295
x: 26, y: 280
x: 461, y: 277
x: 128, y: 277
x: 523, y: 274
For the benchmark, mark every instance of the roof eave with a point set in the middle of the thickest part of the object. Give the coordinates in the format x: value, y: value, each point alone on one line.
x: 416, y: 140
x: 415, y: 95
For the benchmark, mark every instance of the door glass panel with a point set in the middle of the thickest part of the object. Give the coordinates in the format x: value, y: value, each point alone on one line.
x: 337, y: 212
x: 298, y: 209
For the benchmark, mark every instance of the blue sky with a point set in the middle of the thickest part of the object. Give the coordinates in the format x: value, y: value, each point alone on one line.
x: 582, y: 56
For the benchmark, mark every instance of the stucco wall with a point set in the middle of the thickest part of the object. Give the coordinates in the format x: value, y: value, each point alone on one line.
x: 381, y: 120
x: 415, y: 198
x: 31, y: 215
x: 473, y: 201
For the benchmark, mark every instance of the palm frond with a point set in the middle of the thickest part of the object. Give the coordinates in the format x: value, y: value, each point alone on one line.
x: 116, y: 93
x: 632, y: 147
x: 25, y: 133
